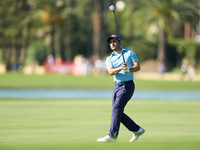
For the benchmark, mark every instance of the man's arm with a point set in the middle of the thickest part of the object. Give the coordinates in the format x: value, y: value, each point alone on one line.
x: 113, y: 71
x: 135, y: 67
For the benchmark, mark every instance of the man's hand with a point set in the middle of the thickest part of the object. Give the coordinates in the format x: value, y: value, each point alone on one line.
x: 123, y: 66
x: 127, y: 70
x: 113, y: 71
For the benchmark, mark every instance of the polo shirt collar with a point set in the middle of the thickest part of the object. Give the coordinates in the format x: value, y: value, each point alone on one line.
x: 115, y: 54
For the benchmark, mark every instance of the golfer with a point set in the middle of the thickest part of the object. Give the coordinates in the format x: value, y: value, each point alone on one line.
x: 123, y: 89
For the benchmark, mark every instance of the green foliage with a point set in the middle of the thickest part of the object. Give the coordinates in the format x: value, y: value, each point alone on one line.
x: 143, y: 49
x: 1, y: 52
x: 36, y: 52
x: 188, y: 48
x: 139, y: 23
x: 168, y: 16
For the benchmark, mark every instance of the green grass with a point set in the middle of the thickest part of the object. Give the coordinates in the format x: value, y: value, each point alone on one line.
x: 54, y: 81
x: 12, y: 80
x: 76, y: 124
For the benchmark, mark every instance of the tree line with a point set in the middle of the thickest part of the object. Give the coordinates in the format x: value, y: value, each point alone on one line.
x: 31, y: 30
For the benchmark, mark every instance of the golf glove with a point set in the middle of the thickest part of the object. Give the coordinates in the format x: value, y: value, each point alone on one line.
x: 127, y: 70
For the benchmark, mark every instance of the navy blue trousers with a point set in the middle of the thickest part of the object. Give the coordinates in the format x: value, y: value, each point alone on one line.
x: 122, y: 93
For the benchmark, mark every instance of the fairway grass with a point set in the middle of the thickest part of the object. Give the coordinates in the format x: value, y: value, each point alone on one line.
x: 17, y: 80
x: 76, y: 124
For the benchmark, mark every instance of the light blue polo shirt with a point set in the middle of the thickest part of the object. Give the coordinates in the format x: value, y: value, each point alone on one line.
x: 117, y: 60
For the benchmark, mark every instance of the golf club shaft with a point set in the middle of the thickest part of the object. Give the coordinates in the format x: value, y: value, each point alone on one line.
x: 118, y: 34
x: 116, y: 23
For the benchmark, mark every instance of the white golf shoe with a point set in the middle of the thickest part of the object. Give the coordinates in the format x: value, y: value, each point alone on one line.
x: 106, y: 139
x: 137, y: 134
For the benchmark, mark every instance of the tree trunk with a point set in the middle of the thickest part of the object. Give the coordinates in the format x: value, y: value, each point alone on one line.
x: 130, y: 20
x: 187, y: 31
x: 25, y: 45
x: 7, y: 52
x: 16, y: 51
x: 57, y: 40
x: 51, y: 42
x: 161, y: 55
x: 103, y: 23
x: 89, y: 44
x: 96, y: 27
x: 67, y: 38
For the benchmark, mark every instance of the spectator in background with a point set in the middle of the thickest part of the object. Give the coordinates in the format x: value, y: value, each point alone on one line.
x: 50, y: 60
x: 191, y: 72
x: 161, y: 69
x: 183, y: 70
x: 99, y: 66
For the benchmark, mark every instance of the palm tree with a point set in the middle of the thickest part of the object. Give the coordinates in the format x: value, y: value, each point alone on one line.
x: 165, y: 15
x: 97, y: 27
x: 15, y: 31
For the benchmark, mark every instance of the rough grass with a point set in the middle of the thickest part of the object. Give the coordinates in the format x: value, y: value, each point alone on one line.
x: 76, y: 124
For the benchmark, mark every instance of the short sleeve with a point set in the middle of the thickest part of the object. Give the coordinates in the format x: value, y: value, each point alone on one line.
x: 133, y: 57
x: 108, y: 62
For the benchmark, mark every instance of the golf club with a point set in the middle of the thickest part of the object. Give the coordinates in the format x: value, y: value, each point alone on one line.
x: 112, y: 8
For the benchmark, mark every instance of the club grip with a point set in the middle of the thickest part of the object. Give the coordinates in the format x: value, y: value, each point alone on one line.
x: 123, y: 58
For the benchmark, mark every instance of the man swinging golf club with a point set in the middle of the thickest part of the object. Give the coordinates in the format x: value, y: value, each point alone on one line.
x: 121, y: 64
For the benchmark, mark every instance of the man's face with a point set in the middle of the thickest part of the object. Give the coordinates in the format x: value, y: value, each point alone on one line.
x: 114, y: 44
